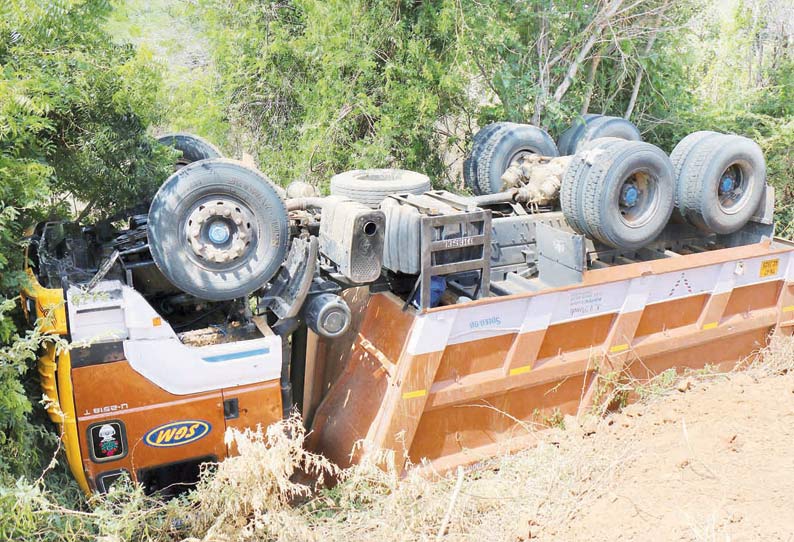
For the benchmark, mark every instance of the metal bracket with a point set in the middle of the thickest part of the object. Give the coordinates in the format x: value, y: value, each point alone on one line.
x: 766, y: 210
x: 473, y: 248
x: 287, y: 292
x: 562, y: 255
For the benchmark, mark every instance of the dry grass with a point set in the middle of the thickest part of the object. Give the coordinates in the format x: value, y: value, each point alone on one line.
x: 513, y: 497
x: 528, y: 495
x: 507, y: 498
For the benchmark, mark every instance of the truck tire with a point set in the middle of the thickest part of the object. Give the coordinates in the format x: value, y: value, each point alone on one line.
x: 218, y: 230
x: 572, y: 134
x: 628, y: 195
x: 678, y: 157
x: 372, y: 186
x: 572, y: 186
x: 604, y: 126
x: 477, y: 142
x: 684, y: 147
x: 721, y: 183
x: 193, y: 148
x: 504, y: 146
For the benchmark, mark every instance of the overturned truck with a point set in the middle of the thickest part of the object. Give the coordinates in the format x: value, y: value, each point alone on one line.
x: 432, y: 323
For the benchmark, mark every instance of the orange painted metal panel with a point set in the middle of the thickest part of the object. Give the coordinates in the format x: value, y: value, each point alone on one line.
x: 464, y: 359
x: 258, y: 404
x: 671, y: 314
x: 142, y: 407
x: 471, y: 379
x: 115, y: 392
x: 510, y: 414
x: 750, y: 298
x: 570, y: 336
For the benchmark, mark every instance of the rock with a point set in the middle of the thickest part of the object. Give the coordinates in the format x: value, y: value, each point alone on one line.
x: 633, y: 410
x: 590, y: 424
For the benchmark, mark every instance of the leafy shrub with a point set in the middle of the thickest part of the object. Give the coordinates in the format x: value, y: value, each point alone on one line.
x: 74, y: 114
x: 325, y: 86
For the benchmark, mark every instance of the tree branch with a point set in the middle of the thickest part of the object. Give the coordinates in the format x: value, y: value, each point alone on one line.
x: 590, y: 84
x: 635, y: 89
x: 600, y: 22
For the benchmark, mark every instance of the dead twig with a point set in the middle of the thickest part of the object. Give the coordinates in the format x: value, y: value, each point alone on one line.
x: 445, y: 522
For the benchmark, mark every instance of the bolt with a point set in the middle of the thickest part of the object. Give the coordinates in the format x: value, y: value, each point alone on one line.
x: 727, y: 184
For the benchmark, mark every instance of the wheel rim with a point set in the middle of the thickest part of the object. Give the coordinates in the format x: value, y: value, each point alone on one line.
x: 180, y: 163
x: 637, y: 199
x: 732, y: 187
x: 218, y: 232
x: 519, y: 155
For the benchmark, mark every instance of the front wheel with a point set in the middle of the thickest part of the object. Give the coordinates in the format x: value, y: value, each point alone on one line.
x: 218, y: 230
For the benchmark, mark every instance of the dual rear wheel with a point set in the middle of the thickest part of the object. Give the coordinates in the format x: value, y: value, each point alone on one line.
x: 618, y: 192
x: 591, y: 127
x: 720, y: 180
x: 497, y: 146
x: 623, y: 193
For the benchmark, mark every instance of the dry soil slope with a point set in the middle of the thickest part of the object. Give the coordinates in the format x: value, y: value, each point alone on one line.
x: 713, y: 463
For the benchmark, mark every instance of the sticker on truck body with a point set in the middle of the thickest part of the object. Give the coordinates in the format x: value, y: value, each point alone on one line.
x: 769, y: 267
x: 177, y: 433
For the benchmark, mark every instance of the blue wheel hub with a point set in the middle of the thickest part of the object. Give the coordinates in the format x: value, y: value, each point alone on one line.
x: 629, y: 195
x: 219, y: 232
x: 727, y: 184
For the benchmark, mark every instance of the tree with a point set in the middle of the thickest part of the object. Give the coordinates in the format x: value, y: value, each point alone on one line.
x: 325, y: 86
x: 74, y: 113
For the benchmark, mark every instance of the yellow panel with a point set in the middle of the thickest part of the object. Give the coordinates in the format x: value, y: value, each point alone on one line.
x: 55, y: 371
x: 70, y: 438
x: 49, y: 305
x: 769, y: 267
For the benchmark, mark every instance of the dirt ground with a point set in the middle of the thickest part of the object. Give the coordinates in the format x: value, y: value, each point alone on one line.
x: 704, y: 457
x: 715, y: 462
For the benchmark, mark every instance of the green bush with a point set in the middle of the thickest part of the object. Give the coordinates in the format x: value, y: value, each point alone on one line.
x: 325, y: 86
x: 74, y: 114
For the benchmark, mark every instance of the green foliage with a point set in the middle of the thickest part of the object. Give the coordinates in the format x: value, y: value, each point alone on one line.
x: 74, y: 114
x: 189, y: 92
x: 74, y: 109
x: 328, y: 86
x: 23, y: 444
x: 30, y: 512
x: 325, y: 86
